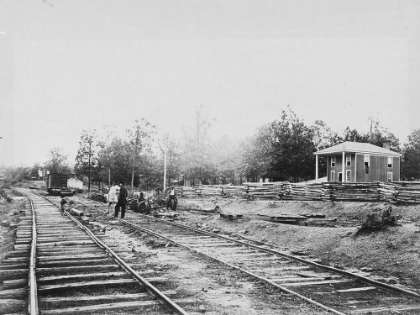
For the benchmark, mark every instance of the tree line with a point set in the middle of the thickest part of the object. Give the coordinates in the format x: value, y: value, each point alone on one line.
x: 280, y: 150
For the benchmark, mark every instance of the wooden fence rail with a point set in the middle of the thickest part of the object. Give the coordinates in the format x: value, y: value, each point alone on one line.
x: 396, y: 192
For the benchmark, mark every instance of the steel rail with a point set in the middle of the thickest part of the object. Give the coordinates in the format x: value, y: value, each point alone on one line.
x: 33, y: 292
x: 237, y: 268
x: 268, y: 250
x: 155, y: 292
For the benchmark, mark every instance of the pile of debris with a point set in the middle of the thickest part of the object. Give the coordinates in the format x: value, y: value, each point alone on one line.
x: 378, y: 220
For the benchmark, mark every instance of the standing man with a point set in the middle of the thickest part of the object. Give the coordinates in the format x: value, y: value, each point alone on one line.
x: 122, y: 201
x: 62, y: 202
x: 171, y: 195
x: 113, y: 195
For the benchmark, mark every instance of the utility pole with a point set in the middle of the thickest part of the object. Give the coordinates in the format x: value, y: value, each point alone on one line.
x: 90, y: 149
x: 165, y: 147
x: 164, y: 170
x: 134, y: 158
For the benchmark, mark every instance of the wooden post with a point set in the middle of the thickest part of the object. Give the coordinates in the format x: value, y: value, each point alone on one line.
x: 343, y: 168
x: 316, y: 168
x: 355, y: 167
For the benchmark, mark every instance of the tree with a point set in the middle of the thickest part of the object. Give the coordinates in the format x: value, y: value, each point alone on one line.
x: 256, y: 154
x: 225, y: 160
x: 293, y: 148
x: 13, y: 175
x: 35, y: 170
x: 282, y: 149
x: 379, y: 135
x: 410, y: 167
x: 322, y: 136
x: 353, y: 135
x: 196, y: 148
x: 140, y: 138
x: 57, y: 162
x: 87, y: 162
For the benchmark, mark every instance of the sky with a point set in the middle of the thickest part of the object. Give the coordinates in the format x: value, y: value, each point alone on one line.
x: 66, y: 66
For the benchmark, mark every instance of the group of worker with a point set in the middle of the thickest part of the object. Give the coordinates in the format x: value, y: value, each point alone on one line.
x: 118, y: 194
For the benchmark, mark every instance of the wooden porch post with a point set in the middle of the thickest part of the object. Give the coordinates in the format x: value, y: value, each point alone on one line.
x: 316, y: 168
x: 343, y: 168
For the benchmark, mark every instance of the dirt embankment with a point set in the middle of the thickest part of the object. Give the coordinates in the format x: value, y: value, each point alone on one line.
x: 393, y: 251
x: 9, y: 217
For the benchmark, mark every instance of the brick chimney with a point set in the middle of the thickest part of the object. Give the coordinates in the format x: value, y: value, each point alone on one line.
x: 386, y: 144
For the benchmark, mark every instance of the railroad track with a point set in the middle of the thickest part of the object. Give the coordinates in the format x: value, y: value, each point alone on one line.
x: 61, y: 267
x: 335, y: 290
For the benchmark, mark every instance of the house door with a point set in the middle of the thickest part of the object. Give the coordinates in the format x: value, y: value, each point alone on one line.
x: 340, y: 177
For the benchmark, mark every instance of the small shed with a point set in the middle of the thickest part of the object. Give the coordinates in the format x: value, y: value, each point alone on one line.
x: 360, y: 162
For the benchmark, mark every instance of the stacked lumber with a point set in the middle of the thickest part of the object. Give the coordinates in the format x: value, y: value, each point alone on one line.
x: 288, y: 218
x: 209, y: 190
x: 387, y: 192
x: 407, y: 192
x: 230, y: 190
x: 302, y: 192
x: 351, y: 191
x: 187, y: 192
x: 272, y: 190
x: 397, y: 192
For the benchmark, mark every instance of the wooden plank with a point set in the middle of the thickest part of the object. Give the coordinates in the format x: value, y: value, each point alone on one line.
x: 214, y: 244
x: 15, y: 284
x: 260, y: 259
x: 394, y: 308
x: 299, y: 284
x: 58, y: 263
x: 14, y: 293
x: 41, y: 271
x: 357, y: 289
x: 281, y: 269
x: 44, y: 288
x: 110, y: 306
x: 111, y: 297
x: 296, y: 279
x: 14, y: 260
x: 49, y: 244
x: 13, y: 274
x: 84, y: 275
x: 13, y: 266
x: 12, y: 306
x: 72, y: 257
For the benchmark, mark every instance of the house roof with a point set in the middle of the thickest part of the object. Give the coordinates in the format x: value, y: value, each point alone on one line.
x: 356, y: 147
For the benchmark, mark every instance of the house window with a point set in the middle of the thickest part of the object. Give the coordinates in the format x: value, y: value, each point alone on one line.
x: 389, y: 161
x: 366, y: 159
x: 332, y: 161
x: 348, y: 175
x: 348, y: 160
x: 389, y: 177
x: 332, y: 176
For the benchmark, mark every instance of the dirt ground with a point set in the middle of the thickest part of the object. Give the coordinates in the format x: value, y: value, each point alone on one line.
x: 392, y: 251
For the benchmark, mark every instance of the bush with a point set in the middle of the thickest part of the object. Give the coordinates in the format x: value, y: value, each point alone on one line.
x: 378, y: 221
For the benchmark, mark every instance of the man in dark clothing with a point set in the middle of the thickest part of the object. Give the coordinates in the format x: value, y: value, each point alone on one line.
x: 122, y: 201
